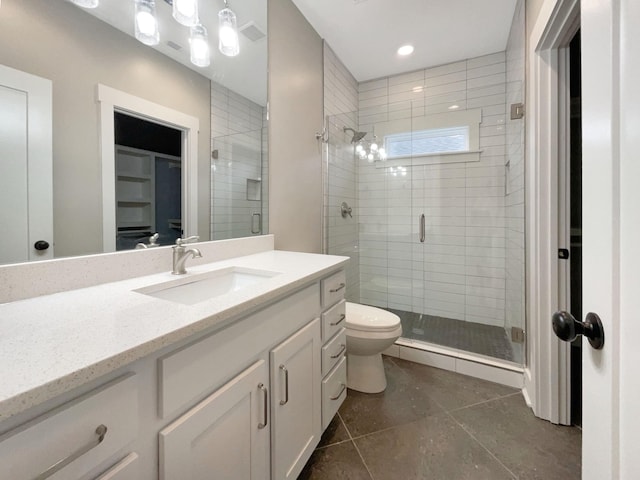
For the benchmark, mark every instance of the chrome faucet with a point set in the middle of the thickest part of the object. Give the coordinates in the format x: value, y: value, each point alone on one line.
x: 180, y: 254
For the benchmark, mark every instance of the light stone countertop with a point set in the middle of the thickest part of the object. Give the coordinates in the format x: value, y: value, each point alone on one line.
x: 54, y: 343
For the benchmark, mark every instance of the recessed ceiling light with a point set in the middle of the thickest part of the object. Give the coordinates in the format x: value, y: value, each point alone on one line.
x: 405, y: 50
x: 418, y: 89
x: 454, y: 107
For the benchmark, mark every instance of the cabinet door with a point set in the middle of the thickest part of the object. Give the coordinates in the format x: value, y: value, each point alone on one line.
x: 226, y: 436
x: 296, y: 401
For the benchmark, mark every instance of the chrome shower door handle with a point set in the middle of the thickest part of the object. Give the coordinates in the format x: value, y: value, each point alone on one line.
x: 423, y: 229
x: 258, y: 224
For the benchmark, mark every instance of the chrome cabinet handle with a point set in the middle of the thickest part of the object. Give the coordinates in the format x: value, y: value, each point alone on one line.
x: 423, y: 230
x: 344, y: 387
x: 286, y: 385
x: 101, y: 431
x: 336, y: 290
x: 342, y: 317
x: 265, y: 405
x: 339, y: 354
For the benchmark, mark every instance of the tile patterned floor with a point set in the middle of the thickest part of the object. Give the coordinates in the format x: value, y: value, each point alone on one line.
x: 435, y: 424
x: 468, y: 336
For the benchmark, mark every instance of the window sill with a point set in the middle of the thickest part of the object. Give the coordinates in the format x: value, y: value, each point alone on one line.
x: 432, y: 159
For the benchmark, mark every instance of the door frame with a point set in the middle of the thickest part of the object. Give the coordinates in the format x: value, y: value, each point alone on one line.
x: 547, y: 371
x: 110, y: 101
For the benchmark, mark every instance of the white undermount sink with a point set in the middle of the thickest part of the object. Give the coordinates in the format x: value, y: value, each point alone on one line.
x: 193, y: 289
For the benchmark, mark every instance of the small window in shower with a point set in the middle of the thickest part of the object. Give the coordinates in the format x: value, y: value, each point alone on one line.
x: 427, y: 142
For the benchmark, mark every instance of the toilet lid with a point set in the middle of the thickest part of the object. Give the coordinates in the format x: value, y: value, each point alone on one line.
x: 366, y: 318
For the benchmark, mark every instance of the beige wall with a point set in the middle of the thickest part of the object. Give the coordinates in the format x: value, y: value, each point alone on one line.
x: 532, y: 11
x: 295, y: 109
x: 55, y: 40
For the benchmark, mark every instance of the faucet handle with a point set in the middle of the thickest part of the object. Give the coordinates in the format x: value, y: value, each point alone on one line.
x: 153, y: 239
x: 182, y: 241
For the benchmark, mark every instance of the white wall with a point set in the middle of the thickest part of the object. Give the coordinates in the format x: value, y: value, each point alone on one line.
x: 340, y: 167
x: 239, y: 137
x: 459, y: 272
x: 59, y: 41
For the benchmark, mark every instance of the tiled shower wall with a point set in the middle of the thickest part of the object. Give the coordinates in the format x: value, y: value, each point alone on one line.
x: 239, y: 134
x: 514, y: 200
x: 459, y: 272
x: 340, y: 168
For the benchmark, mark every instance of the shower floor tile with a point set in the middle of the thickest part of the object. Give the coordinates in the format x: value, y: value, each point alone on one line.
x: 468, y: 336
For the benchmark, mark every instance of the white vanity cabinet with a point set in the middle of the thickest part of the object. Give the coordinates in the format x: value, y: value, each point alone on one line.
x: 76, y: 438
x: 226, y: 434
x: 334, y: 362
x: 296, y: 401
x: 246, y: 400
x: 125, y: 469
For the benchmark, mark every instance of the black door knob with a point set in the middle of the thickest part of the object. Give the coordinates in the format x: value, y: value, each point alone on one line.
x: 41, y: 245
x: 567, y: 328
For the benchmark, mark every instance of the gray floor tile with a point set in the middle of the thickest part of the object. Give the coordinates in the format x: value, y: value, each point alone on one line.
x: 405, y: 400
x: 433, y: 448
x: 336, y: 462
x: 529, y: 447
x: 335, y: 433
x: 452, y: 390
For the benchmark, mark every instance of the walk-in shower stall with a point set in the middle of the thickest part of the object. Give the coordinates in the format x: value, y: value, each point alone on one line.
x: 431, y: 168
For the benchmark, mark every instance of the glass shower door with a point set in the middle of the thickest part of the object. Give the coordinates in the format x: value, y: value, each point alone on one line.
x: 238, y: 193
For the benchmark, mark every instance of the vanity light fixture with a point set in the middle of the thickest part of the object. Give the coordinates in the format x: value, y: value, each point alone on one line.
x: 86, y: 3
x: 199, y: 46
x: 229, y: 42
x: 146, y: 23
x: 186, y: 12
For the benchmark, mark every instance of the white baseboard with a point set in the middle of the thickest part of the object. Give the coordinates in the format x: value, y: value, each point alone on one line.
x: 464, y: 363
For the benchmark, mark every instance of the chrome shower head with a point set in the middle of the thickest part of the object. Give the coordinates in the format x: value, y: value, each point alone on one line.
x: 357, y: 136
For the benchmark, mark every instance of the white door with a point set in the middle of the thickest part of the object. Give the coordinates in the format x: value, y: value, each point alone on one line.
x: 611, y: 229
x: 296, y: 401
x: 26, y: 210
x: 226, y: 436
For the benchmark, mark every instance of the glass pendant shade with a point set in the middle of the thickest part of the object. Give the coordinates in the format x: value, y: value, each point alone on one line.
x: 186, y: 12
x: 146, y: 23
x: 86, y: 3
x: 199, y: 46
x: 229, y: 43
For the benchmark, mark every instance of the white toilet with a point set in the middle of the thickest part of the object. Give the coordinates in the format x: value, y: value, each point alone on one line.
x: 370, y: 330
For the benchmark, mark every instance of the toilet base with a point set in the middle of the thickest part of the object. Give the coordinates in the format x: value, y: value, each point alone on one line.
x: 365, y: 373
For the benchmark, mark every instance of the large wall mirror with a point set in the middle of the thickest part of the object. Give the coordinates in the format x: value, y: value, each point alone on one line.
x: 157, y: 175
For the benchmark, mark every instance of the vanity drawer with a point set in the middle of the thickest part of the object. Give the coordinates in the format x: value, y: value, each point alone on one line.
x: 334, y: 391
x: 125, y: 469
x: 333, y: 288
x: 191, y: 373
x: 333, y: 320
x: 333, y: 351
x: 71, y: 432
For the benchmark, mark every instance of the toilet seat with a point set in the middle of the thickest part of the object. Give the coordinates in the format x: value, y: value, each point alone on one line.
x: 370, y: 319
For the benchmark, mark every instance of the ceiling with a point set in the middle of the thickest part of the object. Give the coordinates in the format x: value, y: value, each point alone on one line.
x: 366, y: 34
x: 245, y: 74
